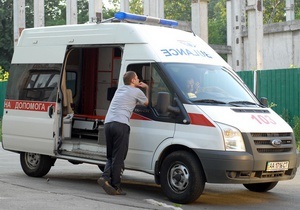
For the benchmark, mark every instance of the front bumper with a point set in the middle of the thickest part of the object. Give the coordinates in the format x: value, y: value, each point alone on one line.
x: 240, y: 167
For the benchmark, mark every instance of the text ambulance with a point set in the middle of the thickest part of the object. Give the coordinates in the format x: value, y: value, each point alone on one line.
x: 202, y: 123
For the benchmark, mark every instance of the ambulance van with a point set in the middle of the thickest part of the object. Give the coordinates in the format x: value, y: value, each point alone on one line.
x: 202, y: 124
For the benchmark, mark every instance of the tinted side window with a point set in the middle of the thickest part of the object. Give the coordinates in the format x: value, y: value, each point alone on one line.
x: 148, y: 73
x: 33, y: 82
x: 41, y: 85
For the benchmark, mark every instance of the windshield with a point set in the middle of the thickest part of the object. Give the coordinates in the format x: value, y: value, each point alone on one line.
x: 209, y: 84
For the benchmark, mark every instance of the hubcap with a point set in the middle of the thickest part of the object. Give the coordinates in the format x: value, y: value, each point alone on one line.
x: 179, y: 177
x: 32, y: 160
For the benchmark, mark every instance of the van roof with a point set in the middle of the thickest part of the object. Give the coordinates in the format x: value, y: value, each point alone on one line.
x: 169, y: 44
x: 91, y: 34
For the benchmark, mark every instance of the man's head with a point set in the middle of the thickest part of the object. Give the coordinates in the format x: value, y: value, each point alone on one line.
x: 131, y: 78
x: 190, y: 85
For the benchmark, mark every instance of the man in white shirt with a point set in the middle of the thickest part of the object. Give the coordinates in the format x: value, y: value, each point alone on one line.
x: 117, y: 130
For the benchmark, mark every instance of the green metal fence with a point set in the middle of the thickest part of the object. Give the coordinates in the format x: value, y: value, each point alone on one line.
x: 281, y: 87
x: 2, y: 97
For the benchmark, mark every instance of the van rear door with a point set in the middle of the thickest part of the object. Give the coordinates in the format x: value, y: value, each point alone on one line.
x: 29, y: 122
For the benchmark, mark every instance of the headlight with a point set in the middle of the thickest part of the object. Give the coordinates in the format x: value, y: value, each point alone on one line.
x: 233, y: 139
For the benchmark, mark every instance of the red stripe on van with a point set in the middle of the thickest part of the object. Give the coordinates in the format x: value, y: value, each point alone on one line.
x: 39, y: 106
x: 135, y: 116
x: 200, y: 119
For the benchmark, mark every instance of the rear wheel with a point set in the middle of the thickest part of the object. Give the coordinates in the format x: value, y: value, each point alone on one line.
x: 36, y: 165
x: 182, y: 177
x: 261, y: 187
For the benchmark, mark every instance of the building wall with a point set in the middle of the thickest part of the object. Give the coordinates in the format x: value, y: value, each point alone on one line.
x: 281, y: 48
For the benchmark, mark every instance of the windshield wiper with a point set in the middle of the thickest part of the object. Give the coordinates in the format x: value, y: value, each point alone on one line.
x: 209, y: 101
x: 244, y: 103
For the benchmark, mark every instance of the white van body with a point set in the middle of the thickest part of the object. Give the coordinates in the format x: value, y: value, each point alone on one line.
x: 62, y: 79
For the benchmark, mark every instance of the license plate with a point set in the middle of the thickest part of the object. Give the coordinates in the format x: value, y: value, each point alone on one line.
x: 278, y: 166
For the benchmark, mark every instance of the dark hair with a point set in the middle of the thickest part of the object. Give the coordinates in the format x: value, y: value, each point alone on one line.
x: 128, y: 76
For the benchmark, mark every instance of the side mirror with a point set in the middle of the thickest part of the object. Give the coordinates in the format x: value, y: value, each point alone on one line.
x: 163, y: 104
x: 264, y: 101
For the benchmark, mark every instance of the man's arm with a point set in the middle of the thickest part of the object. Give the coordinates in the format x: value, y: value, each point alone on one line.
x: 146, y: 87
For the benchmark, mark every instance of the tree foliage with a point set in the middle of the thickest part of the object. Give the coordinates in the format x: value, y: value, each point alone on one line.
x: 217, y: 30
x: 6, y: 33
x: 274, y: 11
x: 135, y: 6
x: 178, y: 10
x: 3, y: 75
x: 55, y: 12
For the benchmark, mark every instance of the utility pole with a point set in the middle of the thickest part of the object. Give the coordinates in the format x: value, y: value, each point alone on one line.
x: 39, y: 11
x: 254, y: 9
x: 290, y: 10
x: 235, y: 27
x: 71, y: 12
x: 124, y: 5
x: 229, y: 30
x: 95, y: 10
x: 154, y: 8
x: 19, y: 19
x: 200, y: 18
x: 255, y: 33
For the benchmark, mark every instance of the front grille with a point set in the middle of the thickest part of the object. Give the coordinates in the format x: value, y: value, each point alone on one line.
x: 273, y: 150
x: 268, y: 142
x: 271, y: 135
x: 264, y: 142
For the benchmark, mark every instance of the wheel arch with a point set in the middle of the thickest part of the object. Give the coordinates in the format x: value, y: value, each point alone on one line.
x: 168, y: 150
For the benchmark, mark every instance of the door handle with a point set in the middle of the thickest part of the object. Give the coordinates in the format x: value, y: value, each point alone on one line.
x: 50, y: 110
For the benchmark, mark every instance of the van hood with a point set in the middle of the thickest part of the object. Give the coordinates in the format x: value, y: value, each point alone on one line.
x: 247, y: 119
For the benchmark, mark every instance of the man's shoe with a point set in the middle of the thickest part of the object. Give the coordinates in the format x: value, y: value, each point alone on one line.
x: 106, y: 186
x: 119, y: 191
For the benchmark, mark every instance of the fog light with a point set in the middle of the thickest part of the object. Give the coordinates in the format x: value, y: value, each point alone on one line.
x: 232, y: 174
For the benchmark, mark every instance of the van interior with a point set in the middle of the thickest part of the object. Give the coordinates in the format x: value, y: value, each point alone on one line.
x: 89, y: 81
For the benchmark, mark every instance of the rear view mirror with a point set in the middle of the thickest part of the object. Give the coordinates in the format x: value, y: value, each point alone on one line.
x: 264, y: 101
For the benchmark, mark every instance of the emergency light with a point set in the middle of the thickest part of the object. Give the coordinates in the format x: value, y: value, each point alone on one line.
x: 143, y: 18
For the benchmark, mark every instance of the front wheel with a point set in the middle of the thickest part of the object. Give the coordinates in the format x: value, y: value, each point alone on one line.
x: 36, y: 165
x: 182, y: 177
x: 261, y: 187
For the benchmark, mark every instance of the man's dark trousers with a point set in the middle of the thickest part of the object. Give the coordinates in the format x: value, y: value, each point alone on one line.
x: 117, y: 139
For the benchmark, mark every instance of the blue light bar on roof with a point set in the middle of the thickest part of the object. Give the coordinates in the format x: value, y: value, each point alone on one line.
x: 143, y: 18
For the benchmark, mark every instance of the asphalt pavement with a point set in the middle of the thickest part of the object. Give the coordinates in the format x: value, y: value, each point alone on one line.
x: 69, y: 186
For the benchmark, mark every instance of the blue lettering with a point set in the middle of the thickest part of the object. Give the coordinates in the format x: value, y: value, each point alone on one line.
x: 174, y: 51
x: 181, y: 51
x: 189, y: 52
x: 166, y: 52
x: 207, y: 55
x: 200, y: 53
x: 197, y: 53
x: 178, y: 52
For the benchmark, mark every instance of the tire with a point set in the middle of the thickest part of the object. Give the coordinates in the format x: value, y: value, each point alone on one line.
x: 36, y: 165
x: 261, y: 187
x: 182, y: 177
